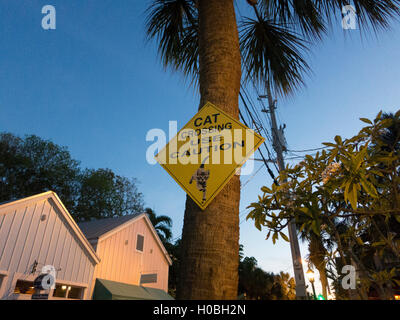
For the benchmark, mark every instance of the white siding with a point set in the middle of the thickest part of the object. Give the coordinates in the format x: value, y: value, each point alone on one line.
x: 24, y: 238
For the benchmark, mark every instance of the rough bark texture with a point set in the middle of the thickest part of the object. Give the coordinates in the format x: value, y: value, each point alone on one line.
x: 210, y: 238
x: 317, y: 257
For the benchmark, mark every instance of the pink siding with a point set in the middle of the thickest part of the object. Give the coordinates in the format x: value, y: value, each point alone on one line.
x: 123, y: 263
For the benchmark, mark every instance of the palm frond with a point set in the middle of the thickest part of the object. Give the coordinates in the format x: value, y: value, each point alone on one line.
x: 162, y: 224
x: 314, y: 16
x: 164, y: 232
x: 273, y: 53
x: 302, y: 15
x: 374, y: 14
x: 174, y: 25
x: 163, y: 220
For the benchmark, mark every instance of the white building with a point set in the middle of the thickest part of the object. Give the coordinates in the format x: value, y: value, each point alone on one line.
x: 117, y: 258
x: 131, y: 253
x: 36, y: 232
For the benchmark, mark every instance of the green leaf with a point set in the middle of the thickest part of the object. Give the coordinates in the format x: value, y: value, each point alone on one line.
x: 366, y: 120
x: 379, y: 243
x: 333, y: 155
x: 338, y: 139
x: 346, y: 163
x: 266, y: 190
x: 346, y: 190
x: 274, y: 237
x: 369, y: 187
x: 328, y: 144
x: 396, y: 281
x: 360, y: 157
x: 386, y: 159
x: 284, y: 236
x: 309, y: 158
x: 306, y: 211
x: 257, y: 223
x: 378, y: 117
x: 352, y: 196
x: 378, y: 173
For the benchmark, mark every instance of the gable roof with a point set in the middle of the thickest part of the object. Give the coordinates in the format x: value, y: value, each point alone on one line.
x: 103, y: 228
x: 96, y: 228
x: 52, y: 197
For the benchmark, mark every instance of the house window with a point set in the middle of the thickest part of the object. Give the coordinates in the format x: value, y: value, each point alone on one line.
x: 68, y: 292
x: 1, y: 280
x: 148, y: 278
x: 75, y: 293
x: 60, y: 291
x: 24, y: 287
x: 139, y: 243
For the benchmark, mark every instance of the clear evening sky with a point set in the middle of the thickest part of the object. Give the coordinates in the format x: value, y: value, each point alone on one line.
x: 96, y: 86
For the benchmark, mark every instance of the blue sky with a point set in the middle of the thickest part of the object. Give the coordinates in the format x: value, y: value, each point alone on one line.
x: 96, y: 86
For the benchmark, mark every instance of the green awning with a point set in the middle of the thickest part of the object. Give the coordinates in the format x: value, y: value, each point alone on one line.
x: 111, y: 290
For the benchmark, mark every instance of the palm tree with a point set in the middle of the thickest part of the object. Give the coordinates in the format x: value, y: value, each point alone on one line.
x: 287, y: 286
x: 162, y: 224
x: 317, y: 256
x: 317, y: 253
x: 210, y: 238
x: 201, y: 39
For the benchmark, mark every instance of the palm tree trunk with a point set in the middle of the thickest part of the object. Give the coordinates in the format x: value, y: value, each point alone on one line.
x: 324, y: 279
x: 210, y: 238
x: 317, y: 257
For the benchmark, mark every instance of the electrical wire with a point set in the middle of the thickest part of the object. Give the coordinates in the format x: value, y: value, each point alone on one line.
x: 308, y: 150
x: 262, y: 156
x: 254, y: 122
x: 253, y: 175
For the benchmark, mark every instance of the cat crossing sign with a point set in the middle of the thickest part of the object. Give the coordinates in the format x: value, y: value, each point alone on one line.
x: 207, y: 152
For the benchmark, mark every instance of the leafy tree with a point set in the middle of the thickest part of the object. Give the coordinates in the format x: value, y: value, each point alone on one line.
x: 285, y: 286
x: 32, y: 165
x: 257, y: 284
x: 103, y: 194
x: 348, y: 198
x: 253, y: 281
x: 162, y: 224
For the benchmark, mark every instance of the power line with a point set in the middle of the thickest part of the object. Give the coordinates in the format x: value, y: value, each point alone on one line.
x: 262, y: 156
x: 260, y: 126
x: 307, y: 150
x: 260, y: 121
x: 254, y: 174
x: 255, y: 111
x: 244, y: 219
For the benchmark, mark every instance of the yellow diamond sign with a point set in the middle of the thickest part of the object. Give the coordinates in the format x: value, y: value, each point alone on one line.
x: 207, y: 152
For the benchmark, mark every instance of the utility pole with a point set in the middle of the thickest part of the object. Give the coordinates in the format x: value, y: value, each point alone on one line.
x: 277, y: 137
